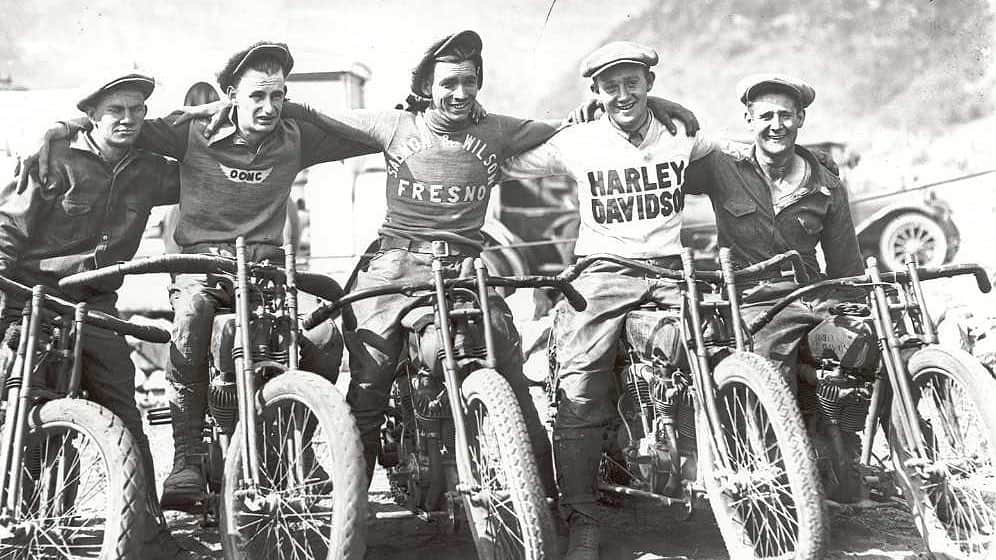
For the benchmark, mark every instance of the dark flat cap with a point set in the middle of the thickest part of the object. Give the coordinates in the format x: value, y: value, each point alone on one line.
x: 239, y: 60
x: 751, y: 85
x: 141, y: 82
x: 618, y: 52
x: 466, y: 43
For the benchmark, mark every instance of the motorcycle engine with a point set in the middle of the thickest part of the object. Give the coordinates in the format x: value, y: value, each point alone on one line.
x: 847, y: 355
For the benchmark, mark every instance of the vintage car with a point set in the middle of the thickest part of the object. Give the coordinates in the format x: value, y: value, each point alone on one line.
x: 890, y: 225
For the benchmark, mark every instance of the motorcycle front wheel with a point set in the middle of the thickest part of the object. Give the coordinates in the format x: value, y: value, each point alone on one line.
x: 311, y: 500
x: 767, y: 499
x: 951, y: 491
x: 506, y: 507
x: 82, y: 487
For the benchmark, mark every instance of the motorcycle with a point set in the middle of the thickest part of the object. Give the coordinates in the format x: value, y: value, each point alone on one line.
x: 701, y: 416
x: 284, y: 463
x: 71, y: 481
x: 877, y: 363
x: 455, y: 442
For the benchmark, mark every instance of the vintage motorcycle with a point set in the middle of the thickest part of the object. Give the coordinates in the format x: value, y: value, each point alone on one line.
x: 455, y: 438
x: 700, y: 415
x: 284, y: 455
x: 878, y: 362
x: 71, y: 482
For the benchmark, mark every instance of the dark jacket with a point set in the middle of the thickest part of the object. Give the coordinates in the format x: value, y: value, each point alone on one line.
x: 749, y: 226
x: 90, y: 214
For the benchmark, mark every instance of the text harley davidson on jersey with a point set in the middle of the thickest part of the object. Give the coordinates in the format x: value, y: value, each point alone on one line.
x: 637, y: 193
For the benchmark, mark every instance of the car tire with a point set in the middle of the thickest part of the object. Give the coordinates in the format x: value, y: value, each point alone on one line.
x: 912, y: 233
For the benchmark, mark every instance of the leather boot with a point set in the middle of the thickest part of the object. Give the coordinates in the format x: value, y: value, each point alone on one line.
x: 185, y: 486
x: 578, y: 452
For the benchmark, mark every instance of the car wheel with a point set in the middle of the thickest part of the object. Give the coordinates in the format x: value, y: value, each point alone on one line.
x: 912, y: 234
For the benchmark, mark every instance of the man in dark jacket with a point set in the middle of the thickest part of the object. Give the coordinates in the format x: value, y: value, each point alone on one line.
x: 775, y: 198
x: 91, y: 212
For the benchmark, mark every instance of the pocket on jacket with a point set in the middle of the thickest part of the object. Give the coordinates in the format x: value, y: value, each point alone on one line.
x: 76, y: 207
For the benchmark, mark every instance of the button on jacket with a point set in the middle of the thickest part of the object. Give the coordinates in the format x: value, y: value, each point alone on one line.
x: 750, y: 227
x: 89, y: 214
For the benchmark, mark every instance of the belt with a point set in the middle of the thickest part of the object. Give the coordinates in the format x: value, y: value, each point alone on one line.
x: 421, y: 246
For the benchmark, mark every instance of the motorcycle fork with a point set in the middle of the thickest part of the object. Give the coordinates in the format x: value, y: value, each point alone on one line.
x: 894, y: 364
x: 450, y: 377
x: 705, y: 390
x: 290, y: 305
x: 245, y: 382
x: 19, y: 402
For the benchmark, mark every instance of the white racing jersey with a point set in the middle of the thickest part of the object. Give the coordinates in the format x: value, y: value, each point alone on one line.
x: 630, y: 197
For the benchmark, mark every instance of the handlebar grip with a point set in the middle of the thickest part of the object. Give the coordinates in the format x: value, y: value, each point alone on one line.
x: 318, y: 316
x: 147, y: 333
x: 88, y: 277
x: 982, y: 279
x: 177, y: 264
x: 573, y: 297
x: 319, y: 285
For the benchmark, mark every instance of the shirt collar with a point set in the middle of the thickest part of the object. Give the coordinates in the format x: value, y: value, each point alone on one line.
x: 642, y: 130
x: 83, y: 142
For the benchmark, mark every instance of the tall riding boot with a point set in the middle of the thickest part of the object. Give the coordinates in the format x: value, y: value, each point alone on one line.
x: 158, y: 543
x: 185, y: 485
x: 371, y: 450
x: 578, y: 452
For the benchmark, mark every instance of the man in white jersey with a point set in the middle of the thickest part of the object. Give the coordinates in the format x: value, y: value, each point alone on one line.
x: 629, y: 170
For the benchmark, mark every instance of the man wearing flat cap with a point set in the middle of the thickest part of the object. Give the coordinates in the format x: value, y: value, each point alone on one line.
x: 234, y: 182
x: 775, y: 198
x: 91, y: 212
x: 630, y: 173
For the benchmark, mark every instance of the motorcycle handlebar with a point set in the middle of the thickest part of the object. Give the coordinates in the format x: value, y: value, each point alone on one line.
x: 328, y: 310
x: 864, y: 282
x: 96, y: 318
x: 754, y: 270
x: 312, y: 283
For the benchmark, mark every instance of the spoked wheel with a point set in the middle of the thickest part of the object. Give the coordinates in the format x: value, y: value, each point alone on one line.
x: 767, y: 501
x: 311, y: 500
x: 952, y: 491
x: 506, y: 510
x: 81, y: 487
x: 912, y: 234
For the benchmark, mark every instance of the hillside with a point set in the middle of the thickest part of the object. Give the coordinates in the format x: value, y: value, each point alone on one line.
x: 889, y: 74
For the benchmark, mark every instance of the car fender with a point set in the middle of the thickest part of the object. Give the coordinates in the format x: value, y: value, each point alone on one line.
x: 880, y: 216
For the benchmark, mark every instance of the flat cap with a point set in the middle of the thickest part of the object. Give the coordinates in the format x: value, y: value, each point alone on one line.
x: 618, y: 52
x: 241, y: 59
x: 751, y: 85
x: 141, y: 82
x: 465, y: 44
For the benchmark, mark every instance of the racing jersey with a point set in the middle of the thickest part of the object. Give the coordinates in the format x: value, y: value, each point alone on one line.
x: 230, y: 189
x: 438, y: 181
x: 630, y: 197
